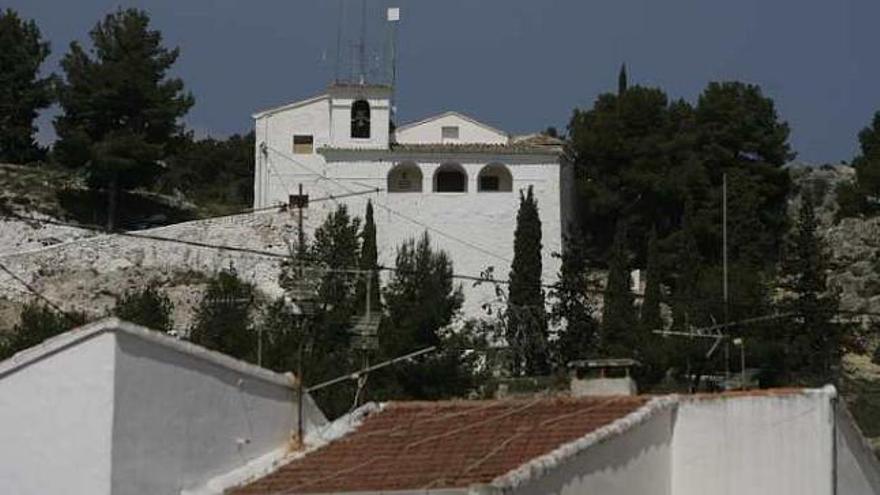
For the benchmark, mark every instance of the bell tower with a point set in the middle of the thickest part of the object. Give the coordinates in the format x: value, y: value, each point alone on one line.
x: 360, y: 116
x: 361, y: 94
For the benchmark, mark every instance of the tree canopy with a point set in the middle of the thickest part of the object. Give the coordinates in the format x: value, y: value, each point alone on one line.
x: 120, y: 87
x: 23, y: 91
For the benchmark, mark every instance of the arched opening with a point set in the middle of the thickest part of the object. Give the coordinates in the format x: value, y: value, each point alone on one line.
x: 450, y: 177
x: 495, y: 177
x: 360, y: 119
x: 405, y: 177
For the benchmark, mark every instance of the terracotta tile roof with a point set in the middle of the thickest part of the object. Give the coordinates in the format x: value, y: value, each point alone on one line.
x: 523, y: 148
x: 452, y: 444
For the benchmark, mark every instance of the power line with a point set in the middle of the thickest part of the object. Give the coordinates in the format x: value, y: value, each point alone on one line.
x: 384, y: 206
x: 391, y: 269
x: 39, y: 294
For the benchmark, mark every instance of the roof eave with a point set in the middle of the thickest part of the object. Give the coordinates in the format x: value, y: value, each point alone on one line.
x: 288, y: 106
x: 73, y: 337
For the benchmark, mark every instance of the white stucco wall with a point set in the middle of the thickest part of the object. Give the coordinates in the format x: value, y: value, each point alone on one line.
x: 430, y: 131
x: 478, y: 226
x: 760, y: 445
x: 56, y: 416
x: 633, y: 463
x: 181, y: 420
x: 858, y: 470
x: 115, y: 408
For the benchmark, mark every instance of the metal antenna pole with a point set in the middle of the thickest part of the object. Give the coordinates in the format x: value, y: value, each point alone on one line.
x: 339, y: 40
x: 301, y: 247
x: 363, y: 44
x: 724, y: 282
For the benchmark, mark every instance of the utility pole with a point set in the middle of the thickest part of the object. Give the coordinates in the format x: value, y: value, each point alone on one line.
x: 301, y: 300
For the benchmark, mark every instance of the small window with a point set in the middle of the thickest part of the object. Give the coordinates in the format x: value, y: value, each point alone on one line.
x: 303, y: 144
x: 449, y: 132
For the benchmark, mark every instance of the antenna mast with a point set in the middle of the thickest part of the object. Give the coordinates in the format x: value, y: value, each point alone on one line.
x: 363, y: 44
x: 340, y: 22
x: 393, y: 19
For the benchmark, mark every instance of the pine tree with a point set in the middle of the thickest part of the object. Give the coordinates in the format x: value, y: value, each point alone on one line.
x: 22, y: 91
x: 526, y: 318
x: 121, y: 110
x: 147, y: 307
x: 223, y: 317
x: 369, y: 260
x: 814, y: 343
x: 619, y: 336
x: 572, y: 308
x: 421, y: 298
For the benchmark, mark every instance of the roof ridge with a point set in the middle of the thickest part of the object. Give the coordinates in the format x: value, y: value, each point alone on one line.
x: 82, y: 333
x: 540, y: 465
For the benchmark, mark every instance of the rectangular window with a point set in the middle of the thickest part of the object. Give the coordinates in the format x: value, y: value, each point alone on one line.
x: 303, y: 144
x: 449, y: 132
x: 489, y: 183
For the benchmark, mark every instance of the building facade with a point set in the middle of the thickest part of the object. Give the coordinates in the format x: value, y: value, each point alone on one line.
x: 450, y: 175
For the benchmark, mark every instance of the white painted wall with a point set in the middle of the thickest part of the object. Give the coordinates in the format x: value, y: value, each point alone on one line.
x: 430, y: 131
x: 181, y: 420
x: 633, y: 463
x: 276, y: 129
x: 759, y: 445
x: 115, y: 408
x: 479, y: 227
x: 56, y: 416
x: 858, y: 470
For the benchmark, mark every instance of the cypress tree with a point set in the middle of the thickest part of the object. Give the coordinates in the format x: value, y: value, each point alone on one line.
x: 572, y: 308
x: 526, y: 318
x: 619, y: 332
x: 622, y: 81
x: 650, y: 312
x: 369, y: 260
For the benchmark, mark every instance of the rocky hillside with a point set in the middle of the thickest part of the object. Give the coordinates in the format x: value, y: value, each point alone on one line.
x: 84, y: 270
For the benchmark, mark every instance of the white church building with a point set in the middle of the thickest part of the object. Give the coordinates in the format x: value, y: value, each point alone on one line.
x: 449, y: 174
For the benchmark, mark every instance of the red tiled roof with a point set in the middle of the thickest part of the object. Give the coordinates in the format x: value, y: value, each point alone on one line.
x: 452, y: 444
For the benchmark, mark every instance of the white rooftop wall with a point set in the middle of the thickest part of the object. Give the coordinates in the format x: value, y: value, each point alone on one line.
x: 635, y: 462
x: 56, y: 417
x: 759, y: 445
x: 430, y: 131
x: 181, y: 420
x: 858, y: 471
x: 115, y: 408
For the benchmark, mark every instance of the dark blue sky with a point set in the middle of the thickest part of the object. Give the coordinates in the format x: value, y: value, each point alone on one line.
x: 516, y: 64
